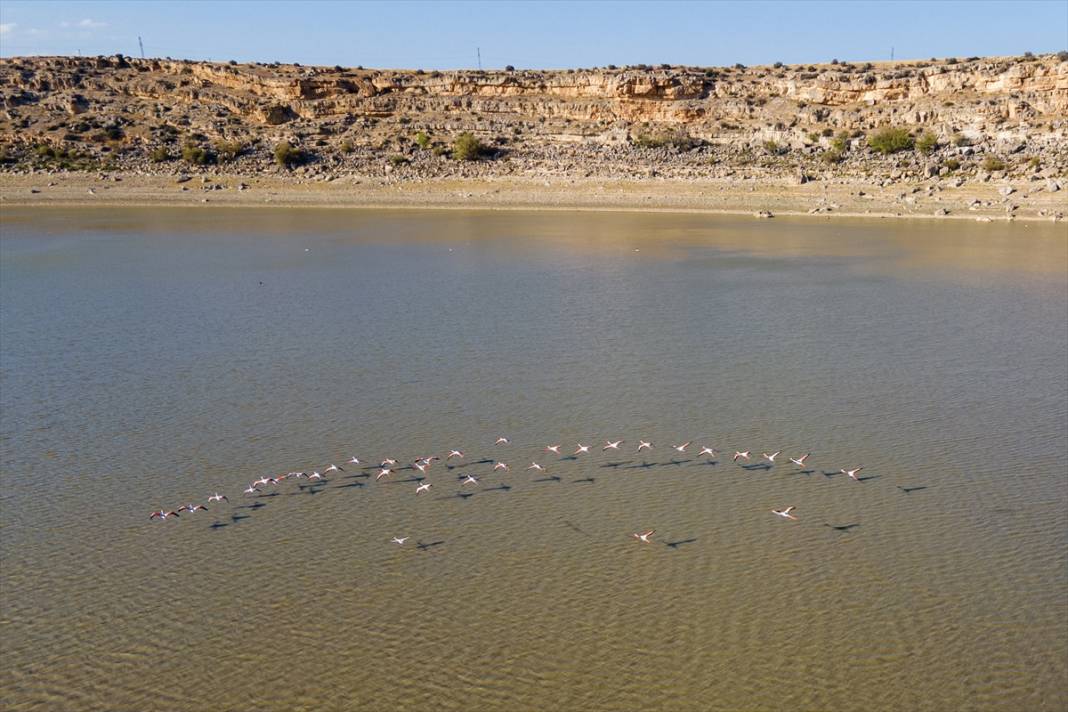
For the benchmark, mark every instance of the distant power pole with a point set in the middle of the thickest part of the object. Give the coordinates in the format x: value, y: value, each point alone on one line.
x: 478, y: 51
x: 142, y: 44
x: 891, y: 54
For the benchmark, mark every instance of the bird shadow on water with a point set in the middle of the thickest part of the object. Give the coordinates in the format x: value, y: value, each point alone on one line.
x: 680, y: 542
x: 235, y: 518
x: 757, y: 466
x: 254, y: 505
x: 906, y: 490
x: 425, y: 546
x: 615, y: 465
x: 409, y: 480
x: 869, y: 477
x: 218, y: 525
x: 458, y: 495
x: 548, y: 478
x: 502, y: 487
x: 591, y: 480
x: 707, y: 463
x: 842, y: 527
x: 350, y: 485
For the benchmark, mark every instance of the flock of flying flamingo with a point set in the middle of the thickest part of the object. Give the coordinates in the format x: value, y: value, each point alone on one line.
x: 389, y: 466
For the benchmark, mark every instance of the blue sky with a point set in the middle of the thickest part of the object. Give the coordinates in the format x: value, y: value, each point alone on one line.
x: 445, y: 35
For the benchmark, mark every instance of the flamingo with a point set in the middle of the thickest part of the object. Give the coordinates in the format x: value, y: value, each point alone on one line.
x: 710, y: 451
x: 425, y: 487
x: 162, y: 515
x: 252, y: 488
x: 388, y: 462
x: 502, y: 441
x: 800, y: 461
x: 609, y: 445
x: 218, y: 498
x: 681, y: 448
x: 384, y: 472
x: 470, y: 479
x: 582, y: 448
x: 455, y: 453
x: 261, y: 481
x: 852, y: 473
x: 354, y: 460
x: 500, y: 466
x: 645, y: 536
x: 553, y: 448
x: 334, y: 468
x: 399, y: 539
x: 536, y: 466
x: 738, y: 455
x: 644, y: 445
x: 770, y: 458
x: 785, y: 513
x: 192, y: 508
x: 315, y: 476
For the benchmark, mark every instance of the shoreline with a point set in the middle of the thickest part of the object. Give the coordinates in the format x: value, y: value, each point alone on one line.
x: 985, y: 202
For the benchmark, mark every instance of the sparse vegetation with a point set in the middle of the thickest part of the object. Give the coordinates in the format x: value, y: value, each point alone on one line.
x: 195, y: 155
x: 287, y: 156
x: 228, y: 150
x: 347, y: 147
x: 397, y: 159
x: 422, y: 139
x: 960, y: 140
x: 160, y: 154
x: 467, y: 147
x: 775, y: 149
x: 992, y: 164
x: 1034, y: 163
x: 890, y: 140
x: 951, y: 164
x: 677, y: 139
x: 927, y: 143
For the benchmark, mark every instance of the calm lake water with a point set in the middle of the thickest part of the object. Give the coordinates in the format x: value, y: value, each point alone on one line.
x: 153, y: 356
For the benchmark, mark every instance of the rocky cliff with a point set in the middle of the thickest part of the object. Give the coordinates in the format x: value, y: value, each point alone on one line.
x: 682, y: 120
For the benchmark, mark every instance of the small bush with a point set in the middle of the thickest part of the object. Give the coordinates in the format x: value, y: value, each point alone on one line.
x: 347, y: 147
x: 777, y: 65
x: 287, y: 155
x: 951, y: 163
x: 1063, y: 55
x: 467, y: 148
x: 993, y: 163
x: 739, y: 65
x: 960, y: 140
x: 159, y: 154
x: 1034, y: 163
x: 773, y: 148
x: 509, y: 68
x: 398, y: 160
x: 439, y: 150
x: 195, y: 155
x: 678, y: 139
x: 927, y: 143
x: 832, y: 156
x: 228, y: 150
x: 422, y: 140
x: 890, y: 140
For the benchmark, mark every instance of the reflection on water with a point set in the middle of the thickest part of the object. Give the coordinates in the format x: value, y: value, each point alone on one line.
x: 151, y: 357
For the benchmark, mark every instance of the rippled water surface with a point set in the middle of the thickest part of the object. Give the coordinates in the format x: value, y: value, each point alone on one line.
x: 152, y: 357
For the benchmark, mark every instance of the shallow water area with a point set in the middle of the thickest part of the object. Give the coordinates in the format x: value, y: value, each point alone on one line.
x: 150, y: 357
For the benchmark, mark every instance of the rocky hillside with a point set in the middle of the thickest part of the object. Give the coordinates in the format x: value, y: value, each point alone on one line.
x: 971, y: 118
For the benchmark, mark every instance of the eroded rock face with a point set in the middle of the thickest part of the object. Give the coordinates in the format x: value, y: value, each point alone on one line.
x: 1008, y: 105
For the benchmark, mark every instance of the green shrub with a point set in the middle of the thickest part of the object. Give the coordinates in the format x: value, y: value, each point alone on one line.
x: 398, y: 160
x: 439, y: 150
x: 678, y: 139
x: 960, y: 140
x: 159, y: 155
x: 423, y: 140
x: 347, y: 147
x: 466, y: 147
x: 288, y: 156
x: 890, y: 140
x: 951, y: 163
x: 229, y: 150
x: 44, y: 150
x: 774, y: 148
x: 1034, y: 163
x: 993, y: 163
x: 927, y: 143
x: 195, y: 155
x: 832, y: 156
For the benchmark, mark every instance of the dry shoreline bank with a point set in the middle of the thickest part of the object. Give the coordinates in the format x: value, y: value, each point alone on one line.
x: 984, y: 202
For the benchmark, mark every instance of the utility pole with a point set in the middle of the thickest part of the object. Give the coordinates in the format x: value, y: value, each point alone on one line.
x: 478, y: 51
x: 891, y: 54
x: 142, y: 45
